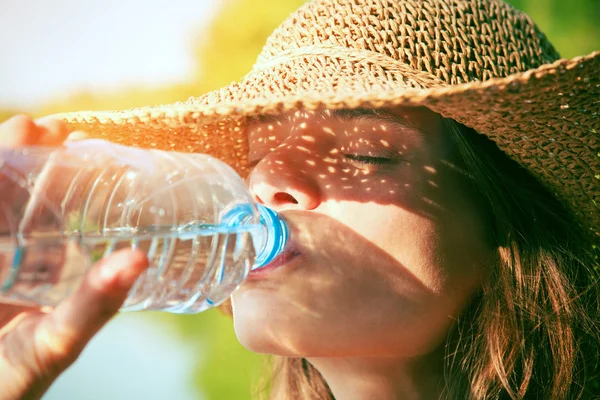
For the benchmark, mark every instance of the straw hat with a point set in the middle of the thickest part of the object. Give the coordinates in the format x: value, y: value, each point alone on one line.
x: 480, y: 62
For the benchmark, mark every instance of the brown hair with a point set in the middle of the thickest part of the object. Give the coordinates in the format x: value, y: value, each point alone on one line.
x: 533, y: 330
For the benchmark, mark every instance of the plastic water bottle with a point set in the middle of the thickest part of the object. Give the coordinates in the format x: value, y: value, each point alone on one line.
x: 64, y: 208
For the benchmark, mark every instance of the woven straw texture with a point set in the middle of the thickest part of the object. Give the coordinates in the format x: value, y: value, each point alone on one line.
x: 480, y: 62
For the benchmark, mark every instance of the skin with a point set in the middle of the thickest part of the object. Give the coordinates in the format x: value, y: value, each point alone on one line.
x: 392, y: 248
x: 37, y: 345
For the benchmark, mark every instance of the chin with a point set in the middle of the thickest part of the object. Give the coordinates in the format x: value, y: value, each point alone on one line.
x: 252, y: 325
x: 261, y: 336
x: 266, y: 329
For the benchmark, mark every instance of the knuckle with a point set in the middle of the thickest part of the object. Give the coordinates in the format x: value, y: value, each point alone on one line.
x: 55, y: 126
x: 57, y: 350
x: 21, y: 123
x: 18, y: 130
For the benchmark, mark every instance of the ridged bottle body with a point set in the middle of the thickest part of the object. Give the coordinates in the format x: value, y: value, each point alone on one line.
x: 64, y: 208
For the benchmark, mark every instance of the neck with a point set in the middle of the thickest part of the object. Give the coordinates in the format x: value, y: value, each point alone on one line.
x: 383, y: 378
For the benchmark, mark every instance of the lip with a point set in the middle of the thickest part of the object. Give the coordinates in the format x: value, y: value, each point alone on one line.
x: 285, y: 257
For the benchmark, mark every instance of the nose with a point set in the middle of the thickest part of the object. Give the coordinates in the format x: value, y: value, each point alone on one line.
x: 280, y: 183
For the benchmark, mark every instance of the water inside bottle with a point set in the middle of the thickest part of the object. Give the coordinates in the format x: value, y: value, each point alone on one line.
x: 192, y: 267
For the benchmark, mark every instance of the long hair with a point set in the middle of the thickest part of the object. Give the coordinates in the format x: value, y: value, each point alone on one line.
x: 533, y: 330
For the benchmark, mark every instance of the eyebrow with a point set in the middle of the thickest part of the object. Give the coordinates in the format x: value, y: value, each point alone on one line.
x: 370, y: 114
x: 349, y: 115
x: 344, y: 114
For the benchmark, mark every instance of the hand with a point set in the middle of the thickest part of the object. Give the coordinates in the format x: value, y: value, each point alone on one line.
x: 37, y: 345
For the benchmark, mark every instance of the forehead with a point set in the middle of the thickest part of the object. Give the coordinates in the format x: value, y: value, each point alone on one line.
x: 408, y: 124
x: 327, y: 115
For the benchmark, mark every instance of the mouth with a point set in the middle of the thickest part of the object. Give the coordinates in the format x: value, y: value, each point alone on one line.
x: 290, y: 253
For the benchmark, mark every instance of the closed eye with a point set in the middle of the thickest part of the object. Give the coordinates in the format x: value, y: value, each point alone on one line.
x: 369, y: 160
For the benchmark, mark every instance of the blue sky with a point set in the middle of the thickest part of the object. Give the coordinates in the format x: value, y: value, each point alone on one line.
x: 50, y: 48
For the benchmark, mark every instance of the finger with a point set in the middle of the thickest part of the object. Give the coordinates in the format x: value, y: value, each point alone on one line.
x: 77, y: 135
x: 53, y: 131
x: 9, y: 311
x: 20, y: 130
x: 63, y: 333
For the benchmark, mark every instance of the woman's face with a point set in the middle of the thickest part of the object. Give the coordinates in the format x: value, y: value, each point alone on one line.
x: 390, y: 242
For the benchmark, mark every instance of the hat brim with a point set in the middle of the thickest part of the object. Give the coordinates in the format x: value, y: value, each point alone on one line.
x: 546, y: 119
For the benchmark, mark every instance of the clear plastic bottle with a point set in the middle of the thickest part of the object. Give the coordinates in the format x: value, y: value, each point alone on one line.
x: 63, y: 208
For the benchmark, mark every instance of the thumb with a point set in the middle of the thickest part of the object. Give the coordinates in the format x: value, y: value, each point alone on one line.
x: 63, y: 333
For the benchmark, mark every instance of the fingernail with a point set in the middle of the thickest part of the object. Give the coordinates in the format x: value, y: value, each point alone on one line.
x: 123, y: 266
x: 41, y: 120
x: 111, y: 268
x: 77, y: 135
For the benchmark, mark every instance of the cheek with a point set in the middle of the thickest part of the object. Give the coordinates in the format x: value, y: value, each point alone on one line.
x: 412, y: 240
x: 445, y: 259
x: 398, y: 295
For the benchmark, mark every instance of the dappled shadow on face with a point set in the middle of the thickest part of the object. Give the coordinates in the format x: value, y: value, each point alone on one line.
x: 376, y: 209
x: 344, y: 296
x: 397, y: 157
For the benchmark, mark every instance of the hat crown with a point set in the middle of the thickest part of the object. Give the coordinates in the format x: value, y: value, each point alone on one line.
x: 455, y: 41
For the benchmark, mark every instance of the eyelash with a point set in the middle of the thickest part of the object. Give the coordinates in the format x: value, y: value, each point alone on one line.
x: 368, y: 159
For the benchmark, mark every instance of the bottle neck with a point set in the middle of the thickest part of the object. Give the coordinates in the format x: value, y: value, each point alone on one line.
x: 272, y: 237
x: 276, y: 236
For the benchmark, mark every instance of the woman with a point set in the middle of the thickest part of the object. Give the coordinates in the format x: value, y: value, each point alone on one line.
x: 430, y: 258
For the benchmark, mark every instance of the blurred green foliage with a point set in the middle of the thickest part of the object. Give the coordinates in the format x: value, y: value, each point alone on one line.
x: 226, y: 51
x: 571, y: 25
x: 225, y: 369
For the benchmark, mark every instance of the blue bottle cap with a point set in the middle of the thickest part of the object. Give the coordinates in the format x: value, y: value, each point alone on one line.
x: 269, y: 241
